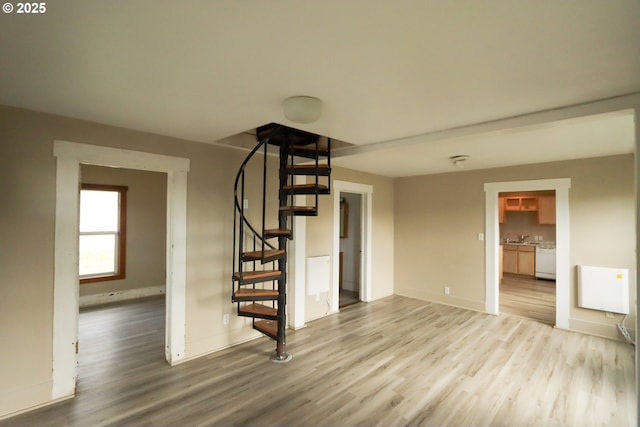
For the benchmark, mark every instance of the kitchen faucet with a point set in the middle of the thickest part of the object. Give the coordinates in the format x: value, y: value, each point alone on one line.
x: 522, y: 237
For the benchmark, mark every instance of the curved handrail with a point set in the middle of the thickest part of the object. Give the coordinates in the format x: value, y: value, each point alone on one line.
x: 238, y: 208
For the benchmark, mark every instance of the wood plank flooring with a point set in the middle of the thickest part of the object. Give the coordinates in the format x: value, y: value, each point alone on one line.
x: 529, y: 297
x: 392, y: 362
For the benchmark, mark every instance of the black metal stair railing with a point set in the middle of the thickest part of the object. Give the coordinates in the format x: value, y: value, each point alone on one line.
x: 241, y: 223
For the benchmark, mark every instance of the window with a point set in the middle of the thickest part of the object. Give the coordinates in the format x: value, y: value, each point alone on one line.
x: 102, y: 232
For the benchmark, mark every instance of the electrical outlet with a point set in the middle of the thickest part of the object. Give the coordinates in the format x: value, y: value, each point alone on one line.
x: 446, y: 290
x: 225, y: 319
x: 480, y: 236
x: 245, y: 204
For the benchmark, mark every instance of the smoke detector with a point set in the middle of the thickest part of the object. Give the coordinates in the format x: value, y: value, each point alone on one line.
x: 459, y: 160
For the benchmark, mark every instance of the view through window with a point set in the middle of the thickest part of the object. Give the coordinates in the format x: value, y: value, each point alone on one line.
x: 102, y: 232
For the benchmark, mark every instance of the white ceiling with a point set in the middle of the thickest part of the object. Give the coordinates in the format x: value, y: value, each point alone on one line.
x: 385, y: 70
x: 584, y: 137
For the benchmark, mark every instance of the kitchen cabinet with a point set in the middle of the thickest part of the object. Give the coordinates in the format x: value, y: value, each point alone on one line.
x: 512, y: 203
x: 510, y: 259
x: 547, y: 210
x: 527, y: 260
x: 529, y: 204
x: 524, y: 204
x: 519, y: 259
x: 501, y: 211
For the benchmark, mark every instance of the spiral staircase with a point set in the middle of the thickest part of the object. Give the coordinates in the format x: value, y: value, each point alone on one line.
x: 260, y: 250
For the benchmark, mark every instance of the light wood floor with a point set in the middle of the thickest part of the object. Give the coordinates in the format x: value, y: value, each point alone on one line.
x: 392, y: 362
x: 529, y: 297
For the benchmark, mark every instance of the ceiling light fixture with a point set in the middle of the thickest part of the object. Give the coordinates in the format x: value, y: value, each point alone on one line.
x: 459, y: 160
x: 302, y: 109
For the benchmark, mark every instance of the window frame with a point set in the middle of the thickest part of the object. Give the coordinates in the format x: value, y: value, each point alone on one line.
x: 121, y: 235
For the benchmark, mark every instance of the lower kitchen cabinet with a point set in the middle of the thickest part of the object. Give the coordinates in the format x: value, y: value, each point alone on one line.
x: 519, y: 259
x: 510, y: 259
x: 527, y: 260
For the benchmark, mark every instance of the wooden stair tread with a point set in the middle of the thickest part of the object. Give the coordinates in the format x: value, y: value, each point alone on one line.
x: 308, y: 152
x: 259, y: 275
x: 313, y: 166
x: 267, y: 327
x: 323, y: 170
x: 297, y: 208
x: 306, y: 189
x: 322, y: 148
x: 255, y: 293
x: 270, y: 254
x: 273, y: 232
x: 259, y: 310
x: 293, y: 187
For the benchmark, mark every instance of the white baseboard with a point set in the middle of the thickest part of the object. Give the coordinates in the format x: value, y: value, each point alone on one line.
x: 598, y: 329
x: 107, y: 297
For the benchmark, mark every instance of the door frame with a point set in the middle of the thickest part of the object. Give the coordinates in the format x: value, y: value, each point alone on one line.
x: 492, y: 242
x: 366, y: 193
x: 69, y: 157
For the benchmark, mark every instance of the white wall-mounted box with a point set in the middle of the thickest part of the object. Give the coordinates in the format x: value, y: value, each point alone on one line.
x: 603, y: 288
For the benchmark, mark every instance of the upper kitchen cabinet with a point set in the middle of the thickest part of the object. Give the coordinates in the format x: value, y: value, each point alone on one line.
x: 546, y: 209
x: 501, y: 212
x: 521, y: 203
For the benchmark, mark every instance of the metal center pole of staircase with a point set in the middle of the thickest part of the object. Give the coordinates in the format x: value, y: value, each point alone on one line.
x: 281, y: 354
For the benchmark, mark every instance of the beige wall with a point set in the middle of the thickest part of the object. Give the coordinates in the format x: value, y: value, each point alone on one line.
x: 320, y: 238
x: 438, y: 217
x: 146, y: 227
x: 27, y: 218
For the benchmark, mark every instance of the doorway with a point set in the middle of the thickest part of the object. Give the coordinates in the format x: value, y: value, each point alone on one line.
x: 120, y: 274
x: 528, y: 254
x: 69, y: 157
x: 350, y: 248
x: 364, y: 194
x: 561, y: 187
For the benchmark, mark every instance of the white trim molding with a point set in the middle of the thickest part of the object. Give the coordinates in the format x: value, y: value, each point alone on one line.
x: 492, y: 241
x: 70, y: 156
x: 297, y: 267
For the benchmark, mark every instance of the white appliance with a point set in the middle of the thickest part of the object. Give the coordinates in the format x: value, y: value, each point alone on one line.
x: 546, y: 261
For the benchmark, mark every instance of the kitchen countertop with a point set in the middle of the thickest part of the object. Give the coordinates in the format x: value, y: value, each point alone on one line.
x: 542, y: 243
